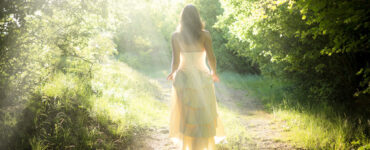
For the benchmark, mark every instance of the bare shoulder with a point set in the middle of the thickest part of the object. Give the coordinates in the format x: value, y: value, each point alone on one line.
x: 175, y: 35
x: 206, y: 34
x: 204, y: 31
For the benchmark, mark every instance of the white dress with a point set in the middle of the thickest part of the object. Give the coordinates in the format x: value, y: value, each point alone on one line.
x: 194, y: 120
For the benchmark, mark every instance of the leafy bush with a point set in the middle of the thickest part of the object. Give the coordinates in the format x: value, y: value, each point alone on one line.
x: 321, y: 51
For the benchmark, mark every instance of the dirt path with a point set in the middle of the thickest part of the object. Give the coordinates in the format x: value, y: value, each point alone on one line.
x: 260, y: 125
x: 263, y: 129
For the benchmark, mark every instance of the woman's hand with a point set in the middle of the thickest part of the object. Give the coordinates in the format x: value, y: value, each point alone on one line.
x: 170, y: 76
x: 215, y: 77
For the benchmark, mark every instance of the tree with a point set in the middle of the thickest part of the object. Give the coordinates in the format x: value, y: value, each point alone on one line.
x: 319, y: 45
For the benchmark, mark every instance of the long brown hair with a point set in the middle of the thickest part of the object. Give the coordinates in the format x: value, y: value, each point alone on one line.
x: 190, y: 25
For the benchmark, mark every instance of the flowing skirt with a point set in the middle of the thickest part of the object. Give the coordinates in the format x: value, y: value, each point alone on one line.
x: 194, y: 120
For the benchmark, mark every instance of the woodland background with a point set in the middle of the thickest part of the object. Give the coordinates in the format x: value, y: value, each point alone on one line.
x: 73, y: 73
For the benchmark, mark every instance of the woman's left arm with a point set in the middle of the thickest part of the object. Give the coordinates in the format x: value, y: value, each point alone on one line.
x: 175, y: 56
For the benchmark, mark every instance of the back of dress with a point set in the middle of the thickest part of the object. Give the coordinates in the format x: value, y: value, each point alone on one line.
x: 193, y: 71
x: 193, y: 60
x: 194, y: 118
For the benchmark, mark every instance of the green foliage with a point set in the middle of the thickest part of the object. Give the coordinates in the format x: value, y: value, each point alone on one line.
x: 305, y: 41
x: 227, y: 58
x: 47, y: 56
x: 57, y: 117
x: 144, y: 40
x: 312, y: 126
x: 318, y: 47
x: 59, y: 88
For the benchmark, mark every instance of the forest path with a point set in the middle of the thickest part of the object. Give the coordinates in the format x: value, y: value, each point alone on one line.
x: 263, y: 130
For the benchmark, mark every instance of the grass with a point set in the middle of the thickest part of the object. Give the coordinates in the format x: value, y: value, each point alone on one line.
x: 126, y: 101
x: 236, y: 134
x: 269, y: 91
x: 106, y: 110
x: 125, y: 93
x: 320, y: 126
x: 75, y: 111
x: 103, y: 111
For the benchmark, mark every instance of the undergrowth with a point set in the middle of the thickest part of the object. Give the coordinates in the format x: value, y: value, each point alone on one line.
x: 317, y: 125
x: 102, y: 111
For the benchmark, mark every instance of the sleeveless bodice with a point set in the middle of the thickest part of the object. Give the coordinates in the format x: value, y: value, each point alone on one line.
x: 193, y: 60
x: 193, y: 71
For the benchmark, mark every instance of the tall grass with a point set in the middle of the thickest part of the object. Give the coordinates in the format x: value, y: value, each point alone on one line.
x: 57, y: 117
x: 98, y: 111
x: 311, y: 125
x: 127, y: 97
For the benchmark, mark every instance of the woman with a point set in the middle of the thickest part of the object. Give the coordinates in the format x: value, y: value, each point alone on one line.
x: 194, y: 119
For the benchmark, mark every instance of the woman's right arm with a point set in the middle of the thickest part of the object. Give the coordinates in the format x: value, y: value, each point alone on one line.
x: 210, y: 55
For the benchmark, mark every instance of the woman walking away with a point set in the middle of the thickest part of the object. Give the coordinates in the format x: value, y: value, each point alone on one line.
x: 194, y: 120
